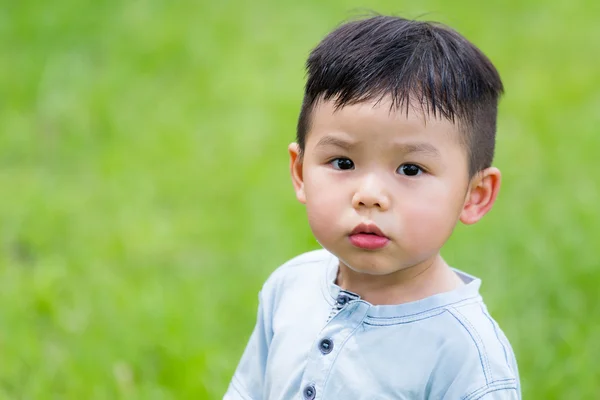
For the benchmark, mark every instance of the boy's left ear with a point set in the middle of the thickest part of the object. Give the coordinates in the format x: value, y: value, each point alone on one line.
x: 482, y: 194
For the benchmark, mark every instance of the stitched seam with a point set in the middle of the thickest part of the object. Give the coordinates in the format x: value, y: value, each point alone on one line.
x: 453, y: 312
x: 494, y: 390
x: 429, y: 310
x: 389, y: 323
x: 495, y: 326
x: 491, y: 390
x: 484, y: 353
x: 509, y: 383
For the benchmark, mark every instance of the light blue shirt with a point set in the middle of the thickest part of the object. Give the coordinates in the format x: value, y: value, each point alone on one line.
x: 313, y: 340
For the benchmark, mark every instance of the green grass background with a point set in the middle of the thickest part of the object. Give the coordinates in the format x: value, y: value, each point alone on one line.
x: 145, y: 194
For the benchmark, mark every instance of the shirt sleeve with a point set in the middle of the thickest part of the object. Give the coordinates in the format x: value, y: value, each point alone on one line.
x: 249, y: 378
x: 468, y: 384
x: 463, y: 374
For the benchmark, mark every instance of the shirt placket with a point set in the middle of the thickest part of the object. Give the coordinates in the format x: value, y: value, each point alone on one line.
x: 329, y: 343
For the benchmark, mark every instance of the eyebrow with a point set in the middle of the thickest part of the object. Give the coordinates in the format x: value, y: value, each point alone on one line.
x: 404, y: 148
x: 424, y: 148
x: 336, y: 142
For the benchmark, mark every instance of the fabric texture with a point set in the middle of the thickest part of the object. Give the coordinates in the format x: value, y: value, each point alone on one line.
x: 313, y: 340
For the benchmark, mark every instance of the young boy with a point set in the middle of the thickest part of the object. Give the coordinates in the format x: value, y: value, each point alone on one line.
x: 394, y: 146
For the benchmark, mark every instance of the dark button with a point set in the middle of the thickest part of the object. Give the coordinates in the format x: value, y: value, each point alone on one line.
x: 326, y: 346
x: 342, y: 299
x: 309, y: 392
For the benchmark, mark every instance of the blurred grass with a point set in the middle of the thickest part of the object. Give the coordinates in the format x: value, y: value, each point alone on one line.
x: 146, y: 194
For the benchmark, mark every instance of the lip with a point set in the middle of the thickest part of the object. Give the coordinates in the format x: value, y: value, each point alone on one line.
x: 368, y: 237
x: 367, y: 228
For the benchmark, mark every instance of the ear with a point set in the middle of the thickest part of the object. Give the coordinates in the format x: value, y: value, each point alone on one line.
x: 482, y: 194
x: 296, y: 171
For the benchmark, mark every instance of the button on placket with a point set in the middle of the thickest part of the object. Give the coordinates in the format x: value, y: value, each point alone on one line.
x: 326, y: 346
x: 342, y: 300
x: 309, y: 392
x: 349, y: 315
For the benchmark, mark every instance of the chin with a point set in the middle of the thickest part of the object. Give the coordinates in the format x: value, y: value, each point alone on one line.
x: 369, y: 264
x: 377, y: 271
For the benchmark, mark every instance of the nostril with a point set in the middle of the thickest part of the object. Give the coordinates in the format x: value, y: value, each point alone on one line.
x: 363, y: 204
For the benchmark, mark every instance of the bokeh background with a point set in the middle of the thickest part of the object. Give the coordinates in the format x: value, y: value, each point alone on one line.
x: 145, y: 193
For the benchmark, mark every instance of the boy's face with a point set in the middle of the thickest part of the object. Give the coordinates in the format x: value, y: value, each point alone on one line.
x: 383, y: 190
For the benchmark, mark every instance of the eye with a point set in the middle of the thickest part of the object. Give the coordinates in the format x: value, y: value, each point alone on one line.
x: 342, y: 163
x: 410, y: 170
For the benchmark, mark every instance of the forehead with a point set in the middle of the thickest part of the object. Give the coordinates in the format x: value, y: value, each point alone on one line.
x: 378, y: 122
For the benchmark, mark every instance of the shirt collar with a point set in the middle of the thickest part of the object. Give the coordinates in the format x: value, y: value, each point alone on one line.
x: 469, y: 291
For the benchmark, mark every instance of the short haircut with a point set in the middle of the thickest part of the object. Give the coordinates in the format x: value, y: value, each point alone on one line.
x: 419, y: 64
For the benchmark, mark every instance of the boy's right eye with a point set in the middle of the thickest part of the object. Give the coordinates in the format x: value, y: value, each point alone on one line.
x: 342, y: 163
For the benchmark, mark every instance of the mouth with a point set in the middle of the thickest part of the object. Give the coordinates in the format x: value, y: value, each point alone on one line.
x: 368, y: 237
x: 367, y: 229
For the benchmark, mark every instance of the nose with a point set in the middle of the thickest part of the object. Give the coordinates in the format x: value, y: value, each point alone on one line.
x: 371, y: 194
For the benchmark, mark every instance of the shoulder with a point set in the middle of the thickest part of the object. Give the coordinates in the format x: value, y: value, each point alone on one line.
x: 304, y: 259
x: 485, y: 336
x: 476, y: 359
x: 306, y: 270
x: 306, y: 263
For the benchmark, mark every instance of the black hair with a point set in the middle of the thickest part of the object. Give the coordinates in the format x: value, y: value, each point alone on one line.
x: 416, y: 63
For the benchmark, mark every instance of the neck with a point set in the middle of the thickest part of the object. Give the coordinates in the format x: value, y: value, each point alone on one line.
x: 428, y: 278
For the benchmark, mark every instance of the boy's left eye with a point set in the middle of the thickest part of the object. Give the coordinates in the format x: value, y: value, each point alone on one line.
x: 410, y: 170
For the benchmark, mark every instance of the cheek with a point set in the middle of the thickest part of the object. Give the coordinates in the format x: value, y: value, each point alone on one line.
x: 318, y: 186
x: 431, y: 219
x: 324, y: 207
